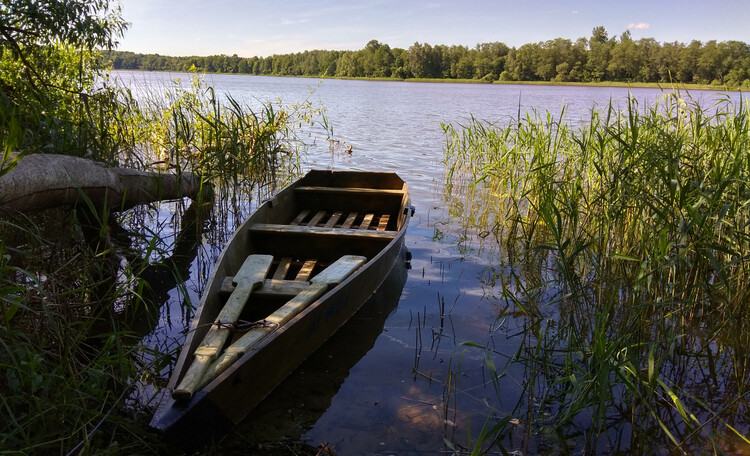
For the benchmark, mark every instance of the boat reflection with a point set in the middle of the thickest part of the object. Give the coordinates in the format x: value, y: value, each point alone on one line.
x: 302, y: 398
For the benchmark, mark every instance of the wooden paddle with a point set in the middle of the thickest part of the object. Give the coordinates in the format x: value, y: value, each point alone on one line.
x: 326, y: 279
x: 250, y: 276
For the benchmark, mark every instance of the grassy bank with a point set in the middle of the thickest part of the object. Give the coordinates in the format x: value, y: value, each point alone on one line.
x: 80, y: 288
x: 647, y: 85
x: 644, y: 85
x: 624, y: 252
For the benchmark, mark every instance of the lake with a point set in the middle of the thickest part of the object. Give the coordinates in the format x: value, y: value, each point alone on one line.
x: 400, y: 379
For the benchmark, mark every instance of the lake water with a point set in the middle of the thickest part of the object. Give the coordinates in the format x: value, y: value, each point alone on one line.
x: 398, y: 380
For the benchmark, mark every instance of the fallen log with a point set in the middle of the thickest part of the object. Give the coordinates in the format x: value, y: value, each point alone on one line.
x: 42, y: 181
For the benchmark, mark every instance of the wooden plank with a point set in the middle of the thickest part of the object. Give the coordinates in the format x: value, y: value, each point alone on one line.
x: 316, y: 218
x: 356, y: 191
x: 353, y: 199
x: 251, y: 275
x: 296, y: 304
x: 298, y: 219
x: 282, y: 269
x: 281, y: 288
x: 328, y: 278
x: 349, y: 179
x: 366, y: 222
x: 349, y: 220
x: 383, y: 224
x: 252, y: 272
x: 341, y: 269
x: 227, y: 286
x: 305, y: 271
x: 270, y: 287
x: 321, y: 231
x: 333, y: 220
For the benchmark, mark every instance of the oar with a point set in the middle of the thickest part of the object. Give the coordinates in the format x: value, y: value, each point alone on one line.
x: 328, y: 278
x: 248, y: 278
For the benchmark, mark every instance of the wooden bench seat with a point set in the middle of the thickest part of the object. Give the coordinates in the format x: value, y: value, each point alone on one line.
x: 279, y: 284
x: 349, y: 191
x: 348, y: 199
x: 270, y: 287
x: 271, y: 228
x: 327, y: 219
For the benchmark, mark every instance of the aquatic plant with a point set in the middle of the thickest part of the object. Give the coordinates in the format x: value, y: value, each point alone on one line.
x: 192, y: 128
x: 67, y: 365
x: 629, y: 250
x: 79, y: 287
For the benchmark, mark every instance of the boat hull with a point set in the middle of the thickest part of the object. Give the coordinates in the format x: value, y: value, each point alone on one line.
x: 213, y: 411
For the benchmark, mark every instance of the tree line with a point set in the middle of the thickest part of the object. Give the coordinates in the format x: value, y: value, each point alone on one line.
x: 595, y: 59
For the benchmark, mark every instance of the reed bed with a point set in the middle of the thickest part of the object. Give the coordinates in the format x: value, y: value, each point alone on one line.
x: 625, y: 243
x: 80, y: 288
x: 68, y: 358
x: 228, y: 142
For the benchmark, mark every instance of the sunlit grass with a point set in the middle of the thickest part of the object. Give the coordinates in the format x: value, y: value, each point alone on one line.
x: 230, y: 143
x: 628, y: 242
x: 80, y: 288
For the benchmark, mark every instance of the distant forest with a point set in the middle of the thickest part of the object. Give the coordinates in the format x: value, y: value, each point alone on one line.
x: 595, y: 59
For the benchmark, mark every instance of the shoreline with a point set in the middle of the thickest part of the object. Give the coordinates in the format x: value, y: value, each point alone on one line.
x: 637, y: 85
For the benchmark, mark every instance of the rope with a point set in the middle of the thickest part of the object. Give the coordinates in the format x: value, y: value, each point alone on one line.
x: 245, y: 325
x: 240, y: 325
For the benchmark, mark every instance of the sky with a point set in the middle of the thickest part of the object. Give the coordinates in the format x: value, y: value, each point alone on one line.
x: 262, y: 27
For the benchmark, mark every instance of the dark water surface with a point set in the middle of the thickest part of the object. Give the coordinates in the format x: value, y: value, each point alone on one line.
x: 398, y: 380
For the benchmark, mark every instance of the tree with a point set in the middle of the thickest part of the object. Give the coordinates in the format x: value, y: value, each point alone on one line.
x: 599, y: 50
x: 624, y: 62
x: 400, y: 59
x: 649, y: 53
x: 423, y: 62
x: 366, y: 58
x: 328, y: 63
x: 686, y: 71
x: 347, y: 65
x: 71, y: 180
x: 598, y: 35
x: 596, y: 58
x: 553, y: 59
x: 710, y: 62
x: 32, y: 33
x: 48, y: 65
x: 667, y: 61
x: 497, y: 53
x: 464, y: 68
x: 522, y: 63
x: 383, y: 62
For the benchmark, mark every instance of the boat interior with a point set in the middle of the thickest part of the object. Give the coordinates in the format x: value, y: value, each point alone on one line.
x: 303, y: 242
x: 325, y: 223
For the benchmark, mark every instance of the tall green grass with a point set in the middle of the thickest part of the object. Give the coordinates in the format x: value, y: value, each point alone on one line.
x: 628, y: 242
x: 79, y: 288
x: 67, y: 363
x: 192, y: 128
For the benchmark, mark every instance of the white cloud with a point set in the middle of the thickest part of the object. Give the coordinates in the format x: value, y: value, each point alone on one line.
x: 638, y: 26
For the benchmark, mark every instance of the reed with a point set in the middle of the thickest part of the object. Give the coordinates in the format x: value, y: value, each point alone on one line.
x: 629, y: 245
x: 79, y: 289
x: 230, y: 143
x: 68, y: 367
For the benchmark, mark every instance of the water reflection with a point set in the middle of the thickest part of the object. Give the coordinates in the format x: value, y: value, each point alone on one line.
x: 416, y: 384
x: 299, y: 402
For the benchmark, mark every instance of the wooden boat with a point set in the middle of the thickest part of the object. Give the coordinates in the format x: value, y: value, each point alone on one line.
x: 295, y: 271
x: 311, y: 391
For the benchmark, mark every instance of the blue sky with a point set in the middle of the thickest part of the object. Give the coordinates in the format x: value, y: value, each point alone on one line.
x: 261, y: 27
